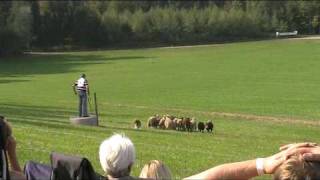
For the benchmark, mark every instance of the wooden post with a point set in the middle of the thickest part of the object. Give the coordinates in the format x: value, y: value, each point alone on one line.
x: 96, y: 108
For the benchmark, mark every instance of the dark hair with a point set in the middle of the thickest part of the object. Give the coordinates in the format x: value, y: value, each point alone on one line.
x: 4, y: 170
x: 5, y: 131
x: 83, y: 75
x: 3, y: 137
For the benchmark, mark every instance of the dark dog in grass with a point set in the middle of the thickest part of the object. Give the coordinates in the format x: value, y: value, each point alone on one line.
x: 137, y: 124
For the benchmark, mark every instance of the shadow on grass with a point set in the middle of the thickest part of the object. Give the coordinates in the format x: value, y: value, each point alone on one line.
x: 35, y: 111
x: 58, y: 118
x: 30, y: 65
x: 3, y: 81
x: 52, y: 117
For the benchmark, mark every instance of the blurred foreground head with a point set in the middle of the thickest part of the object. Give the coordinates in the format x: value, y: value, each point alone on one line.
x: 6, y: 130
x: 296, y: 168
x: 117, y: 155
x: 155, y: 170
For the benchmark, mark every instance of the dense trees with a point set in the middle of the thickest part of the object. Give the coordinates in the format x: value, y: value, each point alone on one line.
x: 15, y: 27
x: 49, y: 24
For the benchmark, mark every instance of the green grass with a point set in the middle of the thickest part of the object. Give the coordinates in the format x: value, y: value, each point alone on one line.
x: 271, y: 78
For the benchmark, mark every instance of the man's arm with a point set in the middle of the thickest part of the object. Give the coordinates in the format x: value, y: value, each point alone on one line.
x: 250, y: 168
x: 237, y: 170
x: 74, y: 88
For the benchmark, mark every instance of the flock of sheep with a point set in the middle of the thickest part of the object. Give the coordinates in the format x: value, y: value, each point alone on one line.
x: 176, y: 123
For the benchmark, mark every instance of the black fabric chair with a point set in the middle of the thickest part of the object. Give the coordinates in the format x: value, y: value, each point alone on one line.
x: 4, y: 169
x: 63, y: 167
x: 66, y: 167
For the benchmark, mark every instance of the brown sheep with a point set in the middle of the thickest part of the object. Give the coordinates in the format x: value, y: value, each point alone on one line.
x: 187, y: 122
x: 201, y: 126
x: 179, y: 124
x: 137, y: 124
x: 209, y: 126
x: 153, y: 121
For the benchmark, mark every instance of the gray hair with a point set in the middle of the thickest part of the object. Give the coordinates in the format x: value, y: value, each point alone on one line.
x: 117, y: 155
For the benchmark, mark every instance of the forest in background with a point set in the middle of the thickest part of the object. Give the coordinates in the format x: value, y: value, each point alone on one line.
x: 26, y: 25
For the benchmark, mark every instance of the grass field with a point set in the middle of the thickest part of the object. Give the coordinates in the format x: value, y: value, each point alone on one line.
x: 278, y: 78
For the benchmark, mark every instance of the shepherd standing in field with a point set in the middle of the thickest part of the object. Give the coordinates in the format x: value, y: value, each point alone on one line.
x: 81, y: 87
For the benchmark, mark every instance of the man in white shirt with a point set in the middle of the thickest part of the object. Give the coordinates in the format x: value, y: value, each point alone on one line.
x: 81, y: 87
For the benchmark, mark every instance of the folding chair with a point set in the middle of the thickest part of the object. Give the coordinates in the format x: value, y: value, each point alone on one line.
x: 63, y: 167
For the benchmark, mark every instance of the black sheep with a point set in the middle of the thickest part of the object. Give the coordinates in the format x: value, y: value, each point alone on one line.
x: 209, y: 126
x: 201, y: 126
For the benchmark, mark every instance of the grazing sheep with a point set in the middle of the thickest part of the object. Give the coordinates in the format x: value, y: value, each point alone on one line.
x: 170, y: 116
x: 153, y: 121
x: 209, y: 126
x: 137, y: 124
x: 193, y: 124
x: 179, y: 124
x: 187, y: 122
x: 183, y: 126
x: 201, y: 126
x: 175, y: 121
x: 161, y: 122
x: 169, y: 124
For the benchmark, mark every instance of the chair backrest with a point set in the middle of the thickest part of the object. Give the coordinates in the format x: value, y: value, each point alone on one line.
x: 66, y: 167
x: 37, y: 171
x: 4, y: 169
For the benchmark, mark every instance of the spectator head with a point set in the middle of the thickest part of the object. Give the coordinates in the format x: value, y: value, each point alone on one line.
x: 6, y: 130
x: 296, y: 168
x: 117, y: 155
x: 155, y: 170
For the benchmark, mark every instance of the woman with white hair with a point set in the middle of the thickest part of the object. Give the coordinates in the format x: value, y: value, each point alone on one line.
x: 117, y: 155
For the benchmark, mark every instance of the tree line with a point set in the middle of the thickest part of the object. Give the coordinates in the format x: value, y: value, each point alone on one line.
x: 91, y: 24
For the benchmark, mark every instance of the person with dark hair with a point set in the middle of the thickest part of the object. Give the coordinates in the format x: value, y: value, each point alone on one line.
x: 81, y: 87
x: 8, y: 151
